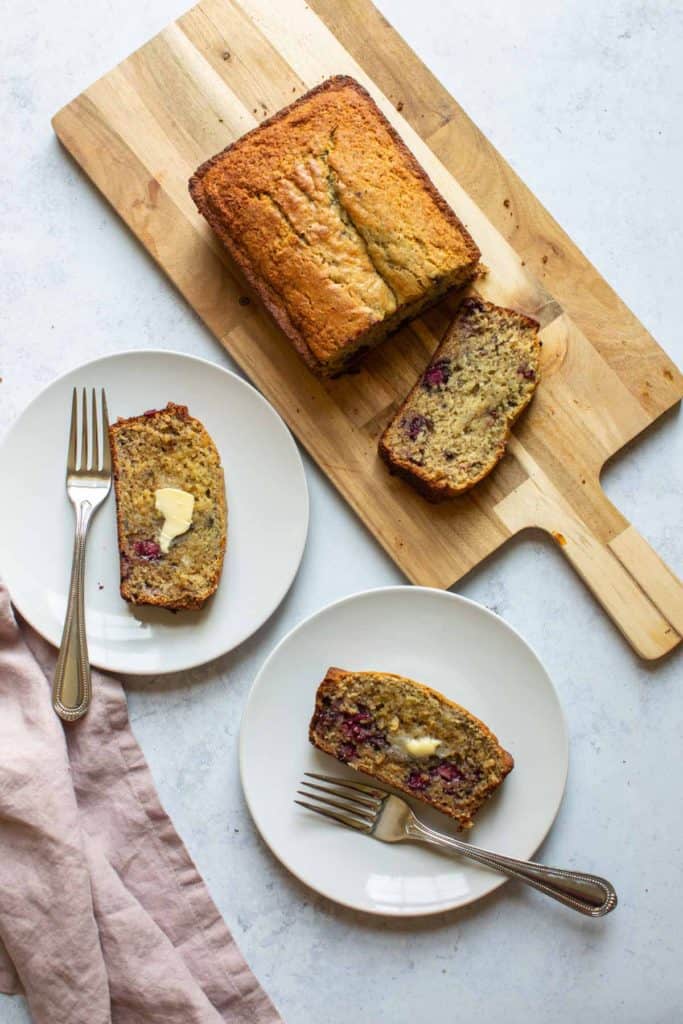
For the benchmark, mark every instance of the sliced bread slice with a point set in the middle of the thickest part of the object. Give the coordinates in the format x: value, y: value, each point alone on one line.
x: 171, y: 554
x: 454, y: 425
x: 409, y: 736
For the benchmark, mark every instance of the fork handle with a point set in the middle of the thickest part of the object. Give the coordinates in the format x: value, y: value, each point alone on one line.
x: 71, y: 687
x: 587, y: 894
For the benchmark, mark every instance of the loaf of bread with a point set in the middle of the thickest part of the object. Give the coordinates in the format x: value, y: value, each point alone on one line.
x: 170, y: 508
x: 334, y: 224
x: 409, y: 736
x: 454, y: 425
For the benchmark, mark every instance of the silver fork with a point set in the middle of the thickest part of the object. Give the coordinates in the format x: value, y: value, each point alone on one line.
x: 388, y: 818
x: 88, y: 482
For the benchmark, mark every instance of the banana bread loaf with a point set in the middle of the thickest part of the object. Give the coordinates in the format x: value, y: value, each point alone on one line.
x: 454, y: 425
x: 334, y: 224
x: 411, y: 737
x: 170, y: 508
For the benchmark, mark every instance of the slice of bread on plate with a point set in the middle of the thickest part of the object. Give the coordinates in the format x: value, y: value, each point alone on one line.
x: 409, y: 736
x: 171, y: 510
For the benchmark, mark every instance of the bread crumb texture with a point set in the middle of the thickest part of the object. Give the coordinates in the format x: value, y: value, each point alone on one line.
x: 168, y: 448
x: 454, y: 426
x: 366, y: 719
x: 334, y: 223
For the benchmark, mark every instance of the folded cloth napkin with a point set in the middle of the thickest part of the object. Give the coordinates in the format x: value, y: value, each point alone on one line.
x: 103, y: 916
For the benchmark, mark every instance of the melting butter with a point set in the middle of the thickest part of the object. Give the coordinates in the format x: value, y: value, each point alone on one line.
x: 420, y: 746
x: 176, y: 507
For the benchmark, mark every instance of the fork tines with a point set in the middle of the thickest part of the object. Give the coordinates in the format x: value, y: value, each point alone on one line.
x: 355, y: 804
x: 90, y: 435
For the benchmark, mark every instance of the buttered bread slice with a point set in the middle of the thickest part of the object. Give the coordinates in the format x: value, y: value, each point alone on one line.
x: 409, y: 736
x: 454, y: 425
x: 170, y: 508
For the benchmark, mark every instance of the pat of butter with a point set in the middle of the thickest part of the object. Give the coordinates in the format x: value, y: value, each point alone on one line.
x: 176, y: 507
x: 420, y: 746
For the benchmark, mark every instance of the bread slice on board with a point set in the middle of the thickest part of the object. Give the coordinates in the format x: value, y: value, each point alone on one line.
x: 168, y: 448
x: 454, y: 425
x: 407, y: 735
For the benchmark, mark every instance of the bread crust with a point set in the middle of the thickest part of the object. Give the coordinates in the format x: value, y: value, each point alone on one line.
x: 437, y: 490
x: 189, y: 603
x: 335, y: 675
x: 260, y: 285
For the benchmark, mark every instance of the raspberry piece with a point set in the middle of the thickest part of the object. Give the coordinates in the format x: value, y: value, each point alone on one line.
x: 448, y: 772
x: 526, y: 372
x: 414, y: 425
x: 418, y: 780
x: 148, y: 549
x: 437, y: 374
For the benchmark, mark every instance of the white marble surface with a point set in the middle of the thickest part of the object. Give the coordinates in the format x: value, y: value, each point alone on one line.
x: 585, y: 101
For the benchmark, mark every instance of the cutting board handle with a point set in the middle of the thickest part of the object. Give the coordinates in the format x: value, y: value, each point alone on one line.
x: 638, y: 591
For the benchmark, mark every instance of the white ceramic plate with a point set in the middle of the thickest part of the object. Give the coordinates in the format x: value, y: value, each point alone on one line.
x: 267, y: 514
x: 453, y: 645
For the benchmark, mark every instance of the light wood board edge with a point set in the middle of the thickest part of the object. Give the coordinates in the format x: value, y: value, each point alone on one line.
x: 640, y: 594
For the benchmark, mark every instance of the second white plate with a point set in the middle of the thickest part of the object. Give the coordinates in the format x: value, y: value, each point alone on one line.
x: 267, y: 514
x: 453, y: 645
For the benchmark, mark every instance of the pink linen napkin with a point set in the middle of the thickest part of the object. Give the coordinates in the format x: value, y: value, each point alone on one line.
x: 103, y: 915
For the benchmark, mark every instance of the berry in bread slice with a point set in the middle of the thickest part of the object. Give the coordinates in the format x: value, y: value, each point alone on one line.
x: 454, y: 425
x: 409, y: 736
x: 170, y: 508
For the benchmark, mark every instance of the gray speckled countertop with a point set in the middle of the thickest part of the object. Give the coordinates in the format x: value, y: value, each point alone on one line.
x: 585, y: 101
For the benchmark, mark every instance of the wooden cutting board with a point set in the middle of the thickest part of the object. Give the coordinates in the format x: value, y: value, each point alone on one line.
x: 223, y: 67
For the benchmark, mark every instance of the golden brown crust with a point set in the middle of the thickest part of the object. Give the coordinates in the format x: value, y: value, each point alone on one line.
x: 463, y: 814
x: 190, y: 602
x: 423, y: 480
x: 364, y: 325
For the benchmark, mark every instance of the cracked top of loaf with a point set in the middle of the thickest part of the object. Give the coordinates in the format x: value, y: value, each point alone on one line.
x: 334, y: 223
